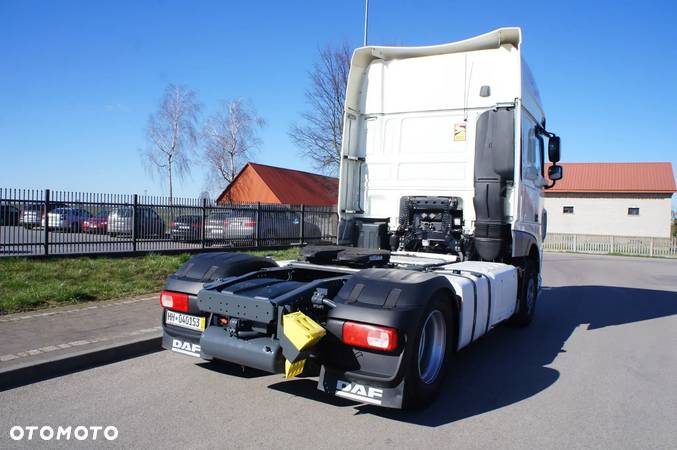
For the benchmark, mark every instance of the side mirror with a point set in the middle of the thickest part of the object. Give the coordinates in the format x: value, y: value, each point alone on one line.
x: 555, y: 172
x: 553, y: 149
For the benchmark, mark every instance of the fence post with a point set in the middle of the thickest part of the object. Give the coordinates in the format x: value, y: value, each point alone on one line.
x: 575, y: 244
x: 303, y: 221
x: 204, y: 220
x: 611, y: 238
x: 46, y: 236
x: 257, y: 229
x: 650, y: 246
x: 134, y: 227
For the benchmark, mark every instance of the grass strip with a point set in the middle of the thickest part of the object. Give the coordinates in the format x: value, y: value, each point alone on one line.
x: 28, y: 284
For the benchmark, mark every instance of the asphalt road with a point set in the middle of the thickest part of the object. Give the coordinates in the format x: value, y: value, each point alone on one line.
x: 18, y: 241
x: 597, y: 369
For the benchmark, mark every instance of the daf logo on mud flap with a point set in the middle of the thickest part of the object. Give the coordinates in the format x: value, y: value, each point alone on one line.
x: 185, y: 347
x: 359, y: 392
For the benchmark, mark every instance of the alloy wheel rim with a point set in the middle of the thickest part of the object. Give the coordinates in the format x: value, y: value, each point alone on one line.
x: 432, y: 346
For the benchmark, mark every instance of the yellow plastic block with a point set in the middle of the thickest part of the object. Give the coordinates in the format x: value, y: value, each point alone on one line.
x: 293, y: 369
x: 301, y: 330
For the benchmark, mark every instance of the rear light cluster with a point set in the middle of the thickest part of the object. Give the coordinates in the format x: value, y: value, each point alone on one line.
x: 369, y: 336
x: 250, y: 223
x: 174, y: 300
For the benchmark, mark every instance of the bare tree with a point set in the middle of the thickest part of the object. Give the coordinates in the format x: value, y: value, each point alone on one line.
x: 171, y: 134
x: 319, y: 134
x: 230, y: 136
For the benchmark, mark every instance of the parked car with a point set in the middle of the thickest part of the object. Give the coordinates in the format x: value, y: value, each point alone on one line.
x: 98, y: 223
x: 280, y: 225
x: 9, y: 215
x: 277, y: 226
x: 186, y: 228
x: 33, y: 214
x: 230, y: 225
x: 70, y: 219
x: 148, y: 223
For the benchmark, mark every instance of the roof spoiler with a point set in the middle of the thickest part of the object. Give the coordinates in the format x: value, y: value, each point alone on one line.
x: 494, y: 39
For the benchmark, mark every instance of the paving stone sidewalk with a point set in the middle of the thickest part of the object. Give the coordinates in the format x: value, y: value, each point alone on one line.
x: 40, y: 336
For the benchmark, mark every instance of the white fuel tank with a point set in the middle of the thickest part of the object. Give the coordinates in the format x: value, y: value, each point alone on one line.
x: 488, y: 293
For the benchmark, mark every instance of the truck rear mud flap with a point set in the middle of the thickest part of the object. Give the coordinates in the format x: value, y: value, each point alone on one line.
x: 352, y: 388
x: 184, y: 342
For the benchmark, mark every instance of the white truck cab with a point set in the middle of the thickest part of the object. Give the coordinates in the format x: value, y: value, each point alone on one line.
x: 457, y: 127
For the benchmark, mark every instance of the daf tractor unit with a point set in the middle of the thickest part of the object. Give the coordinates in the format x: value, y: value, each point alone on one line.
x: 439, y: 239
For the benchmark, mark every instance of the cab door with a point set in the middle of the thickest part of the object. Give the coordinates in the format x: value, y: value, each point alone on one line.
x: 531, y: 179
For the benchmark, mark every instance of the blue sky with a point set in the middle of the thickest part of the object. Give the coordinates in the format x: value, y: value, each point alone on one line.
x: 79, y: 79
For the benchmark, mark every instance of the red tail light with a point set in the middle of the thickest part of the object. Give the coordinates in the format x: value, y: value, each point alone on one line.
x: 172, y: 225
x: 250, y: 223
x: 174, y: 300
x: 369, y: 336
x: 226, y: 223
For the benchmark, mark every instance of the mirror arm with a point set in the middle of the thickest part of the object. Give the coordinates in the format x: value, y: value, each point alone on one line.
x: 544, y: 132
x: 550, y: 186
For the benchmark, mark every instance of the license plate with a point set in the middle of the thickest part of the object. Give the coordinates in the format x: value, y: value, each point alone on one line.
x: 185, y: 321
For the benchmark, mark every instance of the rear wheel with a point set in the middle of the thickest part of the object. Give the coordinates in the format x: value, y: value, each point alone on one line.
x: 430, y: 353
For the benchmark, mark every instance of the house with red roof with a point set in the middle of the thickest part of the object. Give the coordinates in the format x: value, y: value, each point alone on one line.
x: 619, y: 199
x: 269, y: 184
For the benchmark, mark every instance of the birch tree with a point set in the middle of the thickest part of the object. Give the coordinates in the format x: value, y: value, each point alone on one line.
x: 171, y: 134
x: 230, y: 137
x: 318, y: 136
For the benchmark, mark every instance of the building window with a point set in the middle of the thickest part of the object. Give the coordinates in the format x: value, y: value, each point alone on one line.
x: 567, y: 210
x: 633, y: 211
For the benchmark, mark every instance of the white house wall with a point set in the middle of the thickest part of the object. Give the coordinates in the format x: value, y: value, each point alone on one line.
x: 607, y: 214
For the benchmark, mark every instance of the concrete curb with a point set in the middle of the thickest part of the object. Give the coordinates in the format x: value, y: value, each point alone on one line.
x: 28, y: 373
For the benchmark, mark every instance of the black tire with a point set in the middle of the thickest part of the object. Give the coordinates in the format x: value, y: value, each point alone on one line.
x: 527, y: 294
x: 421, y: 384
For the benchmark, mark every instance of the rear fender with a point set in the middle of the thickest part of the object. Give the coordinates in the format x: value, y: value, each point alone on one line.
x: 207, y: 267
x: 390, y: 297
x: 387, y: 297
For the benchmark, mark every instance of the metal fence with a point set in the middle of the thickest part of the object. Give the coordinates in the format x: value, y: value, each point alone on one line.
x: 45, y: 222
x: 604, y: 244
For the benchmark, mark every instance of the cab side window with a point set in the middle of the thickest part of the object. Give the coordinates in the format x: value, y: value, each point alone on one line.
x: 532, y: 154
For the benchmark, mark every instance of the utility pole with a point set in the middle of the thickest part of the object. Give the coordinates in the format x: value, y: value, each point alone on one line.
x: 366, y: 20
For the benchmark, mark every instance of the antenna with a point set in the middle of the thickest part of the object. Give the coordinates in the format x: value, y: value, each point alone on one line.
x: 366, y: 20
